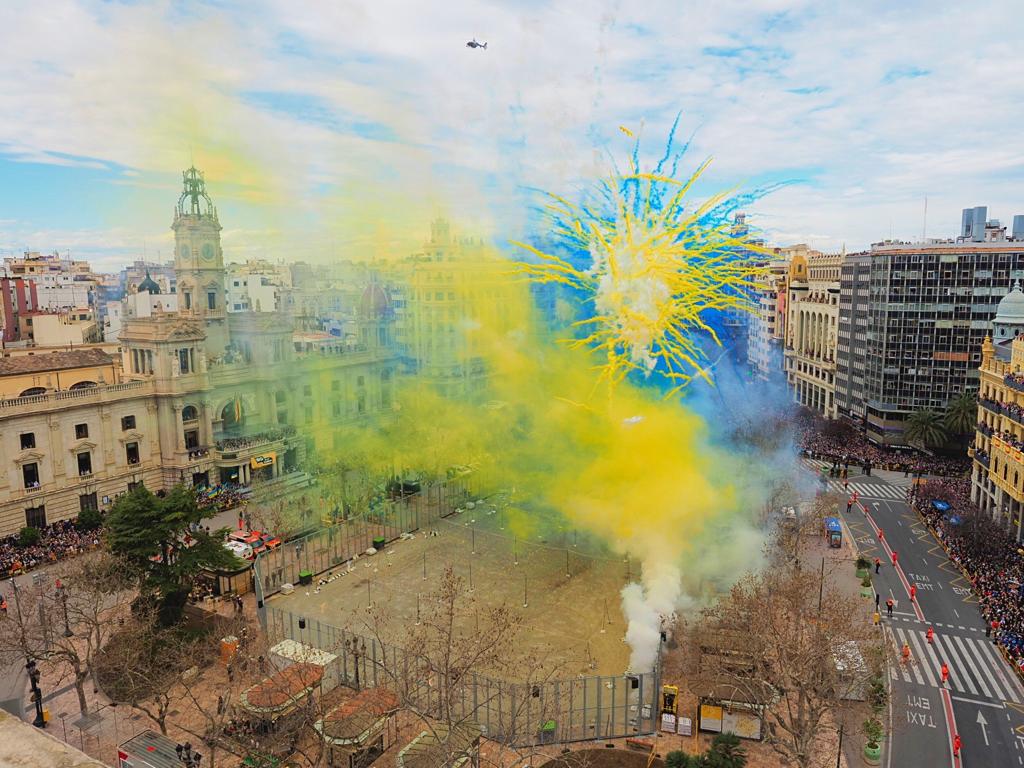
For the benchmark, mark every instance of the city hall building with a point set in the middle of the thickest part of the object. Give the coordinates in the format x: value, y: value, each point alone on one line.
x: 197, y: 395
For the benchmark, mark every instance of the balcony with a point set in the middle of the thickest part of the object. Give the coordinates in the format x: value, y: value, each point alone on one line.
x: 50, y: 401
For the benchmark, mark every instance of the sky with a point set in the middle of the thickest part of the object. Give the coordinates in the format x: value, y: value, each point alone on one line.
x: 338, y: 129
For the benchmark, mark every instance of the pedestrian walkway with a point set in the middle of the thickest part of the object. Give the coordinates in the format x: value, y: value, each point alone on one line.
x: 975, y: 666
x: 869, y: 490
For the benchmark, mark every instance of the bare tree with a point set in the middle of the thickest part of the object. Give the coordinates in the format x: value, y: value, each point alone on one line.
x: 63, y: 623
x: 439, y: 672
x: 774, y: 643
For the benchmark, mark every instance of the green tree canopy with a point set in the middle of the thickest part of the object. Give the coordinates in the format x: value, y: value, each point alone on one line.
x: 962, y: 413
x: 155, y: 537
x: 926, y: 427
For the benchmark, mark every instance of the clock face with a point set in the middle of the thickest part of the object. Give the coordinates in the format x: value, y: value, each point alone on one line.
x: 208, y: 252
x: 186, y: 252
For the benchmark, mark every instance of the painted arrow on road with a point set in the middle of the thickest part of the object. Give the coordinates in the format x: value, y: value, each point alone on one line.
x: 983, y: 723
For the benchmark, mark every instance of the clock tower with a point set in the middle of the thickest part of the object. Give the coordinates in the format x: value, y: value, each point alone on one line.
x: 199, y: 261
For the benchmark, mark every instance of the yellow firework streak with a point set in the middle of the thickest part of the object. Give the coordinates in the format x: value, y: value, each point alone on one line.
x: 656, y: 276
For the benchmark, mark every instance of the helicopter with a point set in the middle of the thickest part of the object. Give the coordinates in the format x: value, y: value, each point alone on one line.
x: 474, y: 44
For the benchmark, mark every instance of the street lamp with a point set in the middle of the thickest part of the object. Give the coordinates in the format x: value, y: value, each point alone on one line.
x: 62, y: 595
x: 37, y: 694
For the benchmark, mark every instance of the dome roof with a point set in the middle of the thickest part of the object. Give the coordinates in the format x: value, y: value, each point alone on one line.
x: 375, y: 302
x: 148, y: 285
x: 1011, y: 306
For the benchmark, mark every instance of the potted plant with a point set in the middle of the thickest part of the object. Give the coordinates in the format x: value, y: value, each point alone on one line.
x: 863, y: 566
x: 866, y: 590
x: 874, y: 732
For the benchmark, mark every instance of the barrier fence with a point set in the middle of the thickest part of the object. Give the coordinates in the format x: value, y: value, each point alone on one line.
x: 516, y: 713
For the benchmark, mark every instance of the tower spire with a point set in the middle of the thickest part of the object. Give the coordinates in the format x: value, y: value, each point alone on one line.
x: 194, y: 195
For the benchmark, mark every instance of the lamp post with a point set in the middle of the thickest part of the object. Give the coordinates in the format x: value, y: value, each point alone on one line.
x: 37, y: 694
x: 62, y: 595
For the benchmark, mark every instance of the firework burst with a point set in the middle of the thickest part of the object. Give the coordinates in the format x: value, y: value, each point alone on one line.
x: 655, y: 272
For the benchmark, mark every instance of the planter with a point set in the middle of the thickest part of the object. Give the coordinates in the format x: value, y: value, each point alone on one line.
x: 862, y: 573
x: 867, y: 592
x: 873, y: 755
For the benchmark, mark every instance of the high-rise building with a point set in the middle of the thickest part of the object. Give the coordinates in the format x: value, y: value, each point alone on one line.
x: 929, y: 308
x: 768, y: 323
x: 851, y: 351
x: 812, y: 319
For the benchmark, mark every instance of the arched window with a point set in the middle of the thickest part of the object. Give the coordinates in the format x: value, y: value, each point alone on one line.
x: 189, y: 413
x: 83, y: 385
x: 33, y: 391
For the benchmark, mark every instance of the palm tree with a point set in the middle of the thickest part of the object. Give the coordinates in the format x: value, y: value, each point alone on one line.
x: 926, y: 427
x: 962, y: 413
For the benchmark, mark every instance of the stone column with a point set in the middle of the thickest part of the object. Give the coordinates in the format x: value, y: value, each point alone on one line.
x: 56, y: 448
x: 179, y: 434
x: 108, y: 438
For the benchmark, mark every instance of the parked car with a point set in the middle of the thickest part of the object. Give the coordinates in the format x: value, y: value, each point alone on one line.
x: 241, y: 549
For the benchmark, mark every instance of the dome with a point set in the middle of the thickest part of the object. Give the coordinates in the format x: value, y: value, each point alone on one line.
x: 375, y: 302
x: 1011, y: 306
x: 148, y: 285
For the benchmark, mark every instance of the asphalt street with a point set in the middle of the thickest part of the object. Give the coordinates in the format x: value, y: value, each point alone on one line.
x: 983, y: 699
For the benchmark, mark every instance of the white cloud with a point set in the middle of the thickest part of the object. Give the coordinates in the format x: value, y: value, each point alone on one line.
x: 807, y: 93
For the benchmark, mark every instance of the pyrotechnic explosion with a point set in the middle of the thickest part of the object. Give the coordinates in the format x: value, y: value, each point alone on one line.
x: 653, y: 271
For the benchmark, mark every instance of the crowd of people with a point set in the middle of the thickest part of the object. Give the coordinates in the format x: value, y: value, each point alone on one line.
x: 247, y: 441
x: 58, y: 540
x: 987, y: 553
x: 223, y: 496
x: 850, y: 448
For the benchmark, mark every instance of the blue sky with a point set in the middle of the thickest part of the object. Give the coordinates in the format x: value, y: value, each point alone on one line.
x: 331, y: 129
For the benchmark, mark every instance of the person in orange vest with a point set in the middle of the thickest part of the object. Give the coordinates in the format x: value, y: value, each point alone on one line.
x: 888, y: 607
x: 855, y: 497
x: 906, y: 653
x: 878, y: 564
x: 894, y: 556
x: 930, y: 635
x: 956, y: 745
x: 913, y: 592
x: 945, y: 672
x: 881, y: 535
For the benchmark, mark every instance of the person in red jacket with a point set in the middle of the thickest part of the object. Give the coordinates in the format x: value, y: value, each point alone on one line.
x: 894, y: 556
x: 913, y: 592
x: 945, y: 672
x: 956, y: 745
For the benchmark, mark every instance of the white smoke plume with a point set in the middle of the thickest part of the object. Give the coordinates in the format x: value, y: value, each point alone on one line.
x: 644, y: 606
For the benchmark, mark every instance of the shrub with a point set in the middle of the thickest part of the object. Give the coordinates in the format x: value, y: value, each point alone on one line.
x: 873, y: 731
x: 863, y: 563
x: 726, y: 752
x: 89, y: 519
x: 866, y: 581
x: 878, y: 696
x: 29, y: 536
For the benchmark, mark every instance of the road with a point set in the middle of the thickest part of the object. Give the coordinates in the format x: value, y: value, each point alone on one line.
x: 983, y: 700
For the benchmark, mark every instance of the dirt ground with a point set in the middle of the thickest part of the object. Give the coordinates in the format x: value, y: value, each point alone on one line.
x: 569, y: 600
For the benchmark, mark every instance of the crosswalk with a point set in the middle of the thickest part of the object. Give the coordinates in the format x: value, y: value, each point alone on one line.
x: 975, y: 666
x: 869, y: 490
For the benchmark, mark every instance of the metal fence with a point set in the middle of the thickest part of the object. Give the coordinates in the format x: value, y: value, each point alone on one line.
x: 511, y: 712
x: 336, y: 544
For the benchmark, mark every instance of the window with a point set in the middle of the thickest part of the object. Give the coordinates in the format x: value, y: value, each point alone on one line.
x: 192, y: 439
x: 279, y: 397
x: 211, y: 300
x: 335, y: 386
x: 133, y: 485
x: 189, y: 413
x: 307, y: 413
x: 28, y: 440
x: 131, y: 452
x: 188, y: 300
x: 35, y: 517
x: 336, y: 409
x: 183, y: 360
x: 127, y: 422
x: 360, y: 381
x: 30, y: 474
x: 87, y: 501
x: 361, y: 404
x: 282, y: 417
x: 85, y: 463
x: 307, y: 390
x: 81, y: 431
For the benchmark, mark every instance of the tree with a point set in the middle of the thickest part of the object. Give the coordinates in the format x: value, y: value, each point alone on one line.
x: 773, y: 644
x: 434, y: 672
x: 962, y: 414
x: 926, y: 427
x: 726, y: 752
x: 65, y: 626
x: 162, y: 540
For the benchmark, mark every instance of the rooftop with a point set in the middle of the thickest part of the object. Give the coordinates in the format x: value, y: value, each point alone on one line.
x: 54, y: 361
x: 24, y: 746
